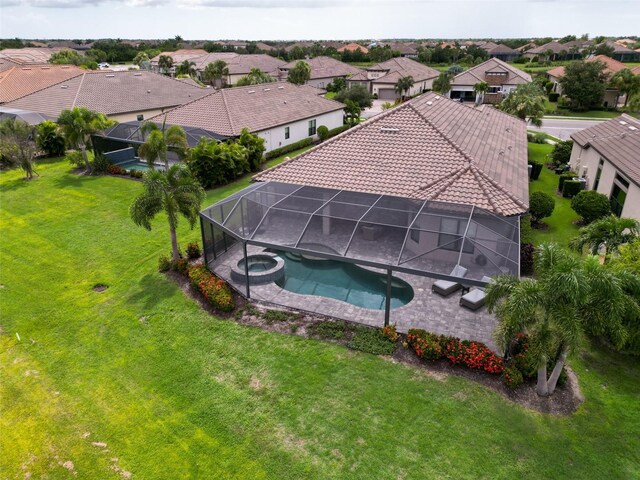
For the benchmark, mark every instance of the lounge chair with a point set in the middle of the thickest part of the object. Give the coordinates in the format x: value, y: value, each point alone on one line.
x: 474, y: 299
x: 445, y: 287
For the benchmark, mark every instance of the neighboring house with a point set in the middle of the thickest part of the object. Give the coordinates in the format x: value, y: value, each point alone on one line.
x: 607, y: 155
x: 352, y: 47
x: 382, y: 78
x: 19, y: 81
x: 302, y: 45
x: 405, y: 49
x: 612, y: 96
x: 240, y: 65
x: 122, y: 96
x: 323, y: 70
x: 281, y: 113
x: 622, y: 53
x: 30, y: 55
x: 178, y: 57
x: 501, y: 77
x: 7, y: 64
x: 264, y: 47
x: 572, y: 49
x: 501, y: 52
x: 636, y: 70
x: 430, y: 148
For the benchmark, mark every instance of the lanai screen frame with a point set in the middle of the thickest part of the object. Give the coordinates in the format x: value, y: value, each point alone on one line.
x: 236, y: 217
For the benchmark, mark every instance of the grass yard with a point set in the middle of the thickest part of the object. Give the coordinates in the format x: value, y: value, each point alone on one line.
x: 561, y: 228
x: 551, y: 108
x: 139, y: 379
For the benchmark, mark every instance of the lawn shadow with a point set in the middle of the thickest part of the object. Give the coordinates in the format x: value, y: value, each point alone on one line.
x: 14, y: 184
x: 151, y: 290
x: 74, y: 180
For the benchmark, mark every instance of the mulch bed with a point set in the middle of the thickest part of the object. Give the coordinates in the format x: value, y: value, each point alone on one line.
x: 565, y: 400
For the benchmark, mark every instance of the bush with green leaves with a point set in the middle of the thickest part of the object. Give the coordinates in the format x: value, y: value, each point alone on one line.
x: 563, y: 178
x: 570, y: 188
x: 335, y: 131
x: 561, y: 153
x: 164, y: 263
x: 357, y: 93
x: 276, y: 152
x: 255, y: 148
x: 100, y: 164
x: 591, y: 205
x: 538, y: 137
x: 371, y: 340
x: 49, y: 140
x: 75, y: 158
x: 541, y: 206
x: 217, y: 163
x: 323, y: 132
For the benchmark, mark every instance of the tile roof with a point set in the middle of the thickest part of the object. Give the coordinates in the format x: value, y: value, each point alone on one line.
x: 110, y: 93
x: 264, y: 47
x: 617, y: 48
x: 611, y: 66
x: 7, y: 63
x: 241, y: 64
x: 429, y: 148
x: 403, y: 67
x: 403, y: 48
x: 24, y: 80
x: 326, y: 67
x: 181, y: 55
x: 352, y: 47
x: 617, y: 140
x: 636, y: 70
x: 256, y: 107
x: 555, y: 47
x: 30, y: 55
x: 477, y: 74
x: 501, y: 49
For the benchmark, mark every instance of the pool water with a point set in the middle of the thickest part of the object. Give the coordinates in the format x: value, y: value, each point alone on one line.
x: 134, y: 165
x: 259, y: 264
x: 342, y: 281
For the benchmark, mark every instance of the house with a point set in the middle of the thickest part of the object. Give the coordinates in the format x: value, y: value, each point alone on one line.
x: 382, y: 78
x: 7, y: 64
x: 179, y: 56
x: 501, y: 77
x: 121, y: 96
x: 324, y: 70
x: 607, y: 155
x: 406, y: 49
x: 636, y: 70
x: 263, y: 47
x: 19, y: 81
x: 622, y: 53
x: 281, y: 113
x: 30, y: 55
x: 500, y: 51
x: 240, y: 65
x: 612, y: 96
x: 352, y: 47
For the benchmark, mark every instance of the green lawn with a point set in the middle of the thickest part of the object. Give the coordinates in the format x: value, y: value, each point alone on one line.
x: 175, y: 393
x: 551, y: 108
x: 561, y: 228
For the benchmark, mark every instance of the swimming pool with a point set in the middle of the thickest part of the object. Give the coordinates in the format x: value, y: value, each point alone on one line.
x: 135, y: 165
x: 342, y: 281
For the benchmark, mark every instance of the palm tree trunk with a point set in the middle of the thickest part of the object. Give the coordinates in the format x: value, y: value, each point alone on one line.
x: 175, y: 251
x: 626, y: 99
x: 542, y: 389
x: 557, y: 369
x: 83, y: 149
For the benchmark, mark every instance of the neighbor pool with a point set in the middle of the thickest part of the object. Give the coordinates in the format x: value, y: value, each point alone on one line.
x: 342, y: 281
x: 134, y: 165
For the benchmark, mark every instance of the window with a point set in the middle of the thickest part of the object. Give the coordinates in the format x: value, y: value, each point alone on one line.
x: 452, y: 230
x: 286, y: 133
x: 312, y: 127
x: 618, y: 194
x: 598, y: 174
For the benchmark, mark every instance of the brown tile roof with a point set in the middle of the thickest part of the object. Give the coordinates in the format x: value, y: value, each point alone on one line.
x: 555, y: 47
x: 110, y: 93
x: 611, y: 66
x: 264, y: 47
x: 361, y: 77
x: 256, y: 107
x: 7, y: 63
x: 617, y: 48
x: 403, y: 67
x: 325, y: 67
x: 477, y: 74
x: 29, y: 55
x: 556, y: 72
x: 24, y: 80
x: 429, y: 148
x: 241, y: 64
x: 617, y: 140
x: 181, y: 55
x: 501, y: 49
x: 352, y: 47
x: 403, y: 48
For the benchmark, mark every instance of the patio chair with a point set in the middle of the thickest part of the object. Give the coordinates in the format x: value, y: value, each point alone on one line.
x: 474, y: 299
x: 445, y: 287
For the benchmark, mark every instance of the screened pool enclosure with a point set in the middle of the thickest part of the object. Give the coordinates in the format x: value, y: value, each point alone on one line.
x: 385, y: 234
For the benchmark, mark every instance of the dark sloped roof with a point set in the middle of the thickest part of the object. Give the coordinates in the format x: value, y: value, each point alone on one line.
x: 430, y: 148
x: 477, y: 74
x: 326, y: 67
x: 403, y: 67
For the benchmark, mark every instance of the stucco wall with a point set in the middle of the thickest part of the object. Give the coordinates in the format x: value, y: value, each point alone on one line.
x: 417, y: 88
x: 299, y: 130
x: 147, y: 114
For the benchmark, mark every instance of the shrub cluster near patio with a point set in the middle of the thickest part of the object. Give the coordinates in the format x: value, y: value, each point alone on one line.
x: 142, y: 371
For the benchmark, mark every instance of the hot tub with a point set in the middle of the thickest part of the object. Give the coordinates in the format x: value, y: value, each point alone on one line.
x: 263, y: 268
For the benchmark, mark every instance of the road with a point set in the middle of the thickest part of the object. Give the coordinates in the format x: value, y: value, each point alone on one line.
x: 563, y: 128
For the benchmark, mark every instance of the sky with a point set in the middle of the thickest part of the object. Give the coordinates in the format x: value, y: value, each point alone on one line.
x: 316, y: 19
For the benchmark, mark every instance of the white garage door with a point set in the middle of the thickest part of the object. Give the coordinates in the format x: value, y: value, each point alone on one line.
x: 387, y: 94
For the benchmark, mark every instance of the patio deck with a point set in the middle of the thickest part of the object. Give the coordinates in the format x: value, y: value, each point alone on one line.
x: 427, y: 310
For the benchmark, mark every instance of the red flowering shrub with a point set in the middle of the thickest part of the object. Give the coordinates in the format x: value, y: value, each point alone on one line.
x: 425, y: 344
x: 181, y: 266
x: 512, y: 377
x: 116, y: 170
x: 521, y: 357
x: 215, y: 290
x: 390, y: 332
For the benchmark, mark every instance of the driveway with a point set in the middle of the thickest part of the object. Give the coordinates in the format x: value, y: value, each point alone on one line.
x: 564, y: 127
x: 375, y: 109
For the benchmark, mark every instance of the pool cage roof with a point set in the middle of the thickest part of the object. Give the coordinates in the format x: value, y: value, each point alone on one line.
x: 129, y: 132
x: 427, y: 238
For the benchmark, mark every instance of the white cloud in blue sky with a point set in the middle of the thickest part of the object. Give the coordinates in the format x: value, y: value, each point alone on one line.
x: 320, y: 19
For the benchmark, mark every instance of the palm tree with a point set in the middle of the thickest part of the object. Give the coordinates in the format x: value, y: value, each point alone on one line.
x: 568, y: 297
x: 527, y: 101
x: 626, y: 83
x: 612, y: 231
x: 480, y: 88
x: 165, y: 63
x: 173, y: 191
x: 442, y: 84
x: 186, y: 68
x: 255, y: 77
x: 404, y: 85
x: 78, y: 125
x: 17, y: 145
x: 216, y: 73
x: 159, y: 140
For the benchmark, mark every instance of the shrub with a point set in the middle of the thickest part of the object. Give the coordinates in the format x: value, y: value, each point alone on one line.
x: 335, y: 131
x: 536, y: 169
x: 541, y: 205
x: 526, y: 232
x: 553, y: 96
x: 473, y: 355
x: 181, y: 266
x: 216, y: 291
x: 193, y: 250
x: 49, y: 140
x: 571, y: 188
x: 561, y: 153
x: 164, y: 263
x: 563, y: 178
x: 387, y: 105
x: 276, y: 152
x: 116, y: 170
x: 197, y: 274
x: 279, y: 316
x: 330, y: 330
x: 539, y: 137
x: 255, y: 148
x: 527, y: 253
x: 75, y: 158
x: 512, y: 377
x: 217, y: 163
x: 425, y: 344
x: 323, y: 132
x: 371, y: 340
x: 390, y: 332
x: 591, y: 205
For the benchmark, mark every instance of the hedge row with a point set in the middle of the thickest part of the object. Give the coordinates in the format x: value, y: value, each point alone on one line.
x: 335, y: 131
x: 277, y: 152
x: 215, y: 290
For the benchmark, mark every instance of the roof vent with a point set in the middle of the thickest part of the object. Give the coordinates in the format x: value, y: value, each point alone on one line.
x: 632, y: 128
x: 280, y: 88
x: 437, y: 97
x: 622, y: 122
x: 24, y: 68
x: 137, y: 74
x: 109, y: 75
x: 429, y: 103
x: 251, y: 91
x: 389, y: 130
x: 64, y: 86
x: 148, y: 91
x: 267, y: 89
